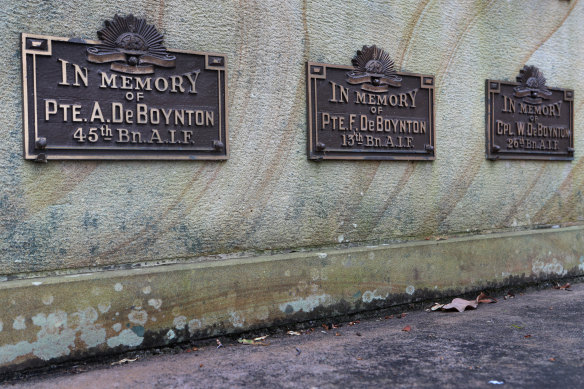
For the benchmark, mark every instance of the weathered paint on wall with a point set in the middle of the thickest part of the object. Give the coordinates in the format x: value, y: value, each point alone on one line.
x: 268, y: 195
x: 60, y: 318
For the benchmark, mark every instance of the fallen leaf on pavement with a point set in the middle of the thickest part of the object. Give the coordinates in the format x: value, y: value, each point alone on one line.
x: 516, y: 326
x: 261, y: 337
x: 252, y: 341
x: 219, y: 344
x: 527, y: 336
x: 485, y: 299
x: 295, y: 333
x: 246, y: 341
x: 402, y: 316
x: 563, y: 287
x: 460, y: 305
x: 407, y: 329
x: 337, y: 334
x: 552, y: 359
x: 509, y: 296
x: 436, y: 306
x: 122, y: 361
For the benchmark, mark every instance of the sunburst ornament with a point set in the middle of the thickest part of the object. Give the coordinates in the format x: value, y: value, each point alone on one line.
x: 132, y: 45
x: 532, y: 89
x: 374, y: 70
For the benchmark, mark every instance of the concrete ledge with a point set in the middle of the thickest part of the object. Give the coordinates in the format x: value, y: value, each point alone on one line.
x: 55, y: 319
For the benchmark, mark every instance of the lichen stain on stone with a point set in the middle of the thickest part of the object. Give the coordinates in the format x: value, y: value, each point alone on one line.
x: 194, y: 326
x: 91, y: 334
x: 103, y: 308
x: 126, y: 338
x: 138, y: 317
x: 118, y: 287
x: 369, y: 296
x: 307, y: 304
x: 48, y: 299
x: 155, y: 303
x: 553, y: 267
x: 19, y: 323
x: 236, y: 319
x: 180, y: 322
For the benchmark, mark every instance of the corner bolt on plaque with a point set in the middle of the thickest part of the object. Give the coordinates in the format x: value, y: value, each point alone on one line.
x: 123, y: 97
x: 528, y: 120
x: 369, y: 111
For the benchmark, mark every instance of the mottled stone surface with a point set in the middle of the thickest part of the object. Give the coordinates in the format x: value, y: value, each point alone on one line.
x: 54, y: 319
x: 268, y: 195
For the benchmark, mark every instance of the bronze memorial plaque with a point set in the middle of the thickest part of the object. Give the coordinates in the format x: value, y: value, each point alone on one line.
x: 369, y: 111
x: 123, y: 97
x: 528, y: 120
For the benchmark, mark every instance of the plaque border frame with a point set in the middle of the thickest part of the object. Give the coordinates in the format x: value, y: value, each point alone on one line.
x: 38, y: 47
x: 313, y: 73
x: 493, y: 87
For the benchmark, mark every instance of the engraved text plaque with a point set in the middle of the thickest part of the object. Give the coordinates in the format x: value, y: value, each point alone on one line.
x: 528, y: 120
x: 123, y: 97
x: 369, y: 111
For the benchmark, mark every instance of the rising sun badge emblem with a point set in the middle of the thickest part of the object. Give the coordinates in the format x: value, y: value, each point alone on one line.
x: 532, y: 89
x: 374, y: 70
x: 131, y: 45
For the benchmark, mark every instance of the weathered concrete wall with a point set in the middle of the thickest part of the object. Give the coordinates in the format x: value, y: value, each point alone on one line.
x: 47, y: 320
x: 268, y: 195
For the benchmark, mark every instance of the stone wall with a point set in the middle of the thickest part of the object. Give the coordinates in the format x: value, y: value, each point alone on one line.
x: 268, y: 195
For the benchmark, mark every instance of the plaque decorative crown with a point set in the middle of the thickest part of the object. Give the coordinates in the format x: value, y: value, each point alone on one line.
x: 132, y: 45
x: 532, y: 89
x: 374, y: 70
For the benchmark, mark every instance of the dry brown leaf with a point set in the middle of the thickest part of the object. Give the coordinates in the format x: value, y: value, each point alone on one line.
x: 485, y: 299
x: 122, y: 361
x: 563, y: 287
x: 407, y: 328
x: 460, y: 305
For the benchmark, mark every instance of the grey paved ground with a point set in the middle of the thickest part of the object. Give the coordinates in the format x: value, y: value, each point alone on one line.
x: 535, y: 340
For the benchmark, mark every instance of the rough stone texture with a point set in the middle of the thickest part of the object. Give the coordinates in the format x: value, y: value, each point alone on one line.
x: 47, y: 320
x: 534, y: 340
x: 268, y: 195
